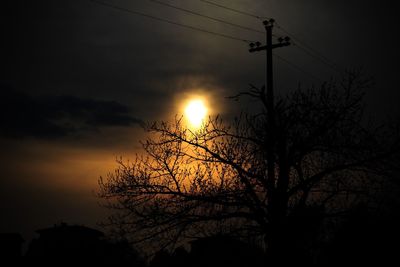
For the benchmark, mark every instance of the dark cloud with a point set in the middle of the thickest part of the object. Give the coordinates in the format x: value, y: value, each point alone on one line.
x: 22, y: 115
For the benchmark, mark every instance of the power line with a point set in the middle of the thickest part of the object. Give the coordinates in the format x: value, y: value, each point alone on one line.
x: 169, y: 21
x: 300, y: 44
x: 107, y: 4
x: 206, y: 16
x: 335, y: 68
x: 233, y: 9
x: 310, y: 51
x: 297, y: 67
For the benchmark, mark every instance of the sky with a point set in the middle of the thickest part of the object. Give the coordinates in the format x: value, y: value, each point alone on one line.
x: 79, y: 79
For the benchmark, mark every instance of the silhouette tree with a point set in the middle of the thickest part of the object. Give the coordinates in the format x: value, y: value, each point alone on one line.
x: 189, y: 184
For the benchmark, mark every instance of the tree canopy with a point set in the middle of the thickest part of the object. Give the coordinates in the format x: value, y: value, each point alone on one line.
x: 326, y: 157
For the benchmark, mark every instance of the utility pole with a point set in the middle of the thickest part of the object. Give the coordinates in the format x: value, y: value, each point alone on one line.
x: 269, y: 97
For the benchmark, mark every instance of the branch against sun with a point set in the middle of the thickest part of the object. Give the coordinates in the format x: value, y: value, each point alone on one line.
x: 185, y: 180
x: 213, y: 180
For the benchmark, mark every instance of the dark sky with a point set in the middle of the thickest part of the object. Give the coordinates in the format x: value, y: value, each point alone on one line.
x: 78, y: 79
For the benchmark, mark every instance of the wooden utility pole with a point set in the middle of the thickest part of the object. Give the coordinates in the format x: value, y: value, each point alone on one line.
x: 269, y: 98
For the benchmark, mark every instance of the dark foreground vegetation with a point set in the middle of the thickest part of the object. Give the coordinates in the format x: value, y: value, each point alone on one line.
x: 361, y: 238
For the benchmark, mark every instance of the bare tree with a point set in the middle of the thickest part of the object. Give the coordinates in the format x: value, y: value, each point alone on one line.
x: 189, y: 184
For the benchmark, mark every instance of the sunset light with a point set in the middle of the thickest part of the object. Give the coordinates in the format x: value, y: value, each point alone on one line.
x: 195, y: 113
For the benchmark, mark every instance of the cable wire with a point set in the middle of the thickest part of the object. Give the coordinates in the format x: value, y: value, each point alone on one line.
x: 310, y: 51
x: 297, y: 67
x: 170, y: 21
x: 300, y: 44
x: 335, y: 68
x: 233, y: 9
x: 107, y: 4
x: 206, y: 16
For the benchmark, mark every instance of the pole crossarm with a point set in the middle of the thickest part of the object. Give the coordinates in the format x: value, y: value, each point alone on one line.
x: 264, y: 47
x: 283, y: 41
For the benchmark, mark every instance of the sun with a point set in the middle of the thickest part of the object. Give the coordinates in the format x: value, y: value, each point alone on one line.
x: 195, y: 113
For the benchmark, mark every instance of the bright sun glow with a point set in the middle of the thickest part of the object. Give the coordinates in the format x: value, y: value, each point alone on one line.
x: 195, y: 113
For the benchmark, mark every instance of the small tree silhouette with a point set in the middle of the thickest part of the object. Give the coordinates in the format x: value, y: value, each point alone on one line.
x: 215, y: 180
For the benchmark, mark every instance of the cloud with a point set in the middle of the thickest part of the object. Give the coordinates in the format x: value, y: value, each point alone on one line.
x: 22, y: 115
